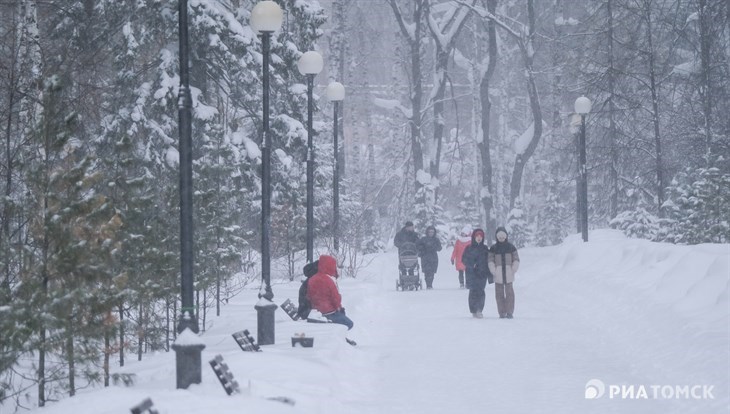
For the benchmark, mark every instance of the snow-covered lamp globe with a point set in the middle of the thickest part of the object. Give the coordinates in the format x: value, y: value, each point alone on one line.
x: 311, y: 63
x: 582, y: 105
x: 266, y: 16
x: 335, y: 91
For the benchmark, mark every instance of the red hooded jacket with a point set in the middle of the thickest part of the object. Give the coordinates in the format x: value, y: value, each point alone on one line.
x: 322, y: 290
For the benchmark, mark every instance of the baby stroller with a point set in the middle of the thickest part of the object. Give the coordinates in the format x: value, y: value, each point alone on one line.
x: 409, y: 277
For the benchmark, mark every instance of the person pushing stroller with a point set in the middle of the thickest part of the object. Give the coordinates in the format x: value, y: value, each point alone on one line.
x: 405, y: 236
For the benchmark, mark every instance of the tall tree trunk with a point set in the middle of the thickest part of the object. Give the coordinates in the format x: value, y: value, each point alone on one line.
x: 487, y: 197
x: 205, y: 307
x: 416, y: 97
x: 578, y: 198
x: 527, y: 48
x: 167, y: 324
x: 42, y: 367
x: 7, y: 212
x: 42, y: 329
x: 612, y: 130
x: 655, y: 113
x: 338, y: 44
x: 705, y: 47
x: 121, y: 333
x: 414, y: 39
x: 442, y: 62
x: 444, y: 36
x: 107, y: 351
x: 71, y: 357
x: 140, y: 332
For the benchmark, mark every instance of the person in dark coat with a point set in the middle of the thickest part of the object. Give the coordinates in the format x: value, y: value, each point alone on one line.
x: 305, y: 306
x: 428, y: 246
x: 503, y: 263
x: 475, y: 259
x: 406, y: 235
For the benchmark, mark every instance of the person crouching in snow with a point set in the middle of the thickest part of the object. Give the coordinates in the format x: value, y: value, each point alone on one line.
x: 503, y: 263
x: 323, y: 293
x: 477, y: 272
x: 461, y: 242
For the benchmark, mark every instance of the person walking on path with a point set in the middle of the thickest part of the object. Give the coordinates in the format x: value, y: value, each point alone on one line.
x: 406, y: 235
x: 503, y: 263
x: 461, y: 242
x: 428, y: 246
x: 475, y: 259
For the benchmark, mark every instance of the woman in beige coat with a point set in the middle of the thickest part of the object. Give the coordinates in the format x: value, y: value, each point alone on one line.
x: 503, y: 263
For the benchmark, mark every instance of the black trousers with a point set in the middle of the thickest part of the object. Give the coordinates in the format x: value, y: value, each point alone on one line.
x: 476, y: 300
x: 429, y: 279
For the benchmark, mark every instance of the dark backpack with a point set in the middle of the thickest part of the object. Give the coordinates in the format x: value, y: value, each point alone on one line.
x: 305, y: 306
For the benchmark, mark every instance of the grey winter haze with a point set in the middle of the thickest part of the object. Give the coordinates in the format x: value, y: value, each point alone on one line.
x: 558, y: 120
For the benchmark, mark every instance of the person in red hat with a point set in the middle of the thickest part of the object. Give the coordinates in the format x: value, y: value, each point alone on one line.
x: 475, y: 260
x: 323, y: 292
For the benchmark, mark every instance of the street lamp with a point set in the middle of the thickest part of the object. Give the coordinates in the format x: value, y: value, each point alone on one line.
x: 266, y: 18
x: 583, y: 107
x: 336, y: 93
x: 310, y: 64
x: 187, y: 348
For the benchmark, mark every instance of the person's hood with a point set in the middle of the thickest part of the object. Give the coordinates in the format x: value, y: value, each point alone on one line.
x: 503, y: 230
x: 464, y: 239
x: 465, y: 234
x: 310, y: 269
x: 328, y: 265
x: 474, y: 236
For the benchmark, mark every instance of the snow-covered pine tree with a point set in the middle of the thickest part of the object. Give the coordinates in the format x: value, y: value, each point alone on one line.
x: 468, y: 213
x: 72, y: 232
x: 698, y: 206
x: 552, y: 218
x: 520, y: 232
x: 221, y: 169
x: 638, y: 223
x: 21, y: 73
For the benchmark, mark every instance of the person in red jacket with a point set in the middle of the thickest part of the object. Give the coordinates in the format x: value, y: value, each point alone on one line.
x: 462, y: 241
x: 323, y: 293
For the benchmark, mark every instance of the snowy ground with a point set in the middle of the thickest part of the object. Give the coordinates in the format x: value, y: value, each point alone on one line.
x: 628, y: 313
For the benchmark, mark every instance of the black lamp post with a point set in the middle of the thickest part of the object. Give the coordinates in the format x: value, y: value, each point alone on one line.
x: 582, y: 108
x: 187, y: 351
x: 310, y: 64
x: 336, y: 93
x: 266, y: 18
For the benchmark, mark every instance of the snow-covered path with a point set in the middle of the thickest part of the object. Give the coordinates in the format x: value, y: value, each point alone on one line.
x: 626, y: 312
x: 571, y: 326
